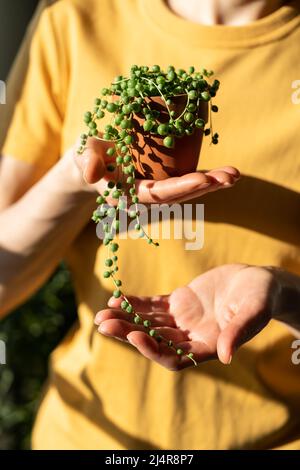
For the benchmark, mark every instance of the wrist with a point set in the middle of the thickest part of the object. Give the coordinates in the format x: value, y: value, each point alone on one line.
x: 61, y: 191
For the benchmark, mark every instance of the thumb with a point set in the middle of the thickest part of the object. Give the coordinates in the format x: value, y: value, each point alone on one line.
x: 245, y: 322
x: 92, y: 162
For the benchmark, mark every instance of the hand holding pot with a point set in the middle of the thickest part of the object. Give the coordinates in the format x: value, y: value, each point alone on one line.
x: 93, y: 165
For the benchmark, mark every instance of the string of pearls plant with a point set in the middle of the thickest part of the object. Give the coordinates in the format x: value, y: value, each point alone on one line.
x: 124, y: 99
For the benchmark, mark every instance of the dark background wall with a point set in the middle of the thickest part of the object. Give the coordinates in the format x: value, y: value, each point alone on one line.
x: 14, y: 17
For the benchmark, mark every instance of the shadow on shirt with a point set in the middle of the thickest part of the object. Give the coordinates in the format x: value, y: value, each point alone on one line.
x: 257, y: 205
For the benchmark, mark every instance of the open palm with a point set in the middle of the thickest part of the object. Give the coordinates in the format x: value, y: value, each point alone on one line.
x: 213, y: 315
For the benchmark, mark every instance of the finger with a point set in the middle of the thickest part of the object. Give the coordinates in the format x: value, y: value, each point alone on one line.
x: 112, y: 314
x: 201, y: 353
x: 229, y: 170
x: 196, y: 194
x: 202, y: 192
x: 93, y: 161
x: 150, y: 191
x: 143, y: 304
x: 120, y: 328
x: 153, y: 350
x: 224, y: 177
x: 183, y: 187
x: 241, y: 328
x: 157, y: 319
x: 168, y: 357
x: 170, y: 334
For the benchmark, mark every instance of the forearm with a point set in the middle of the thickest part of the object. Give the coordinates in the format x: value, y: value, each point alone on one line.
x: 36, y: 231
x: 287, y: 309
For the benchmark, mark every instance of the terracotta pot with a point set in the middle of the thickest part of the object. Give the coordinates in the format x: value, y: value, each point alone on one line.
x: 152, y: 159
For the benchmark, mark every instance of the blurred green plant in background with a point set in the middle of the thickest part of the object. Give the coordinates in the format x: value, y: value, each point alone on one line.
x: 31, y: 333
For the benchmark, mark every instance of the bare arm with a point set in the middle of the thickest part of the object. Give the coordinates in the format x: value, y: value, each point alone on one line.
x: 37, y: 229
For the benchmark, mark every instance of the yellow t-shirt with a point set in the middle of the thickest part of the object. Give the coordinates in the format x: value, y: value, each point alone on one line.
x: 102, y: 394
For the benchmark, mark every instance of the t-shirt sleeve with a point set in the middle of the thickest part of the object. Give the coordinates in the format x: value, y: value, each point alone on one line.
x: 34, y: 135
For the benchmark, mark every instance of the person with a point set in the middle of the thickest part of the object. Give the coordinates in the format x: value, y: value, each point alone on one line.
x: 117, y: 397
